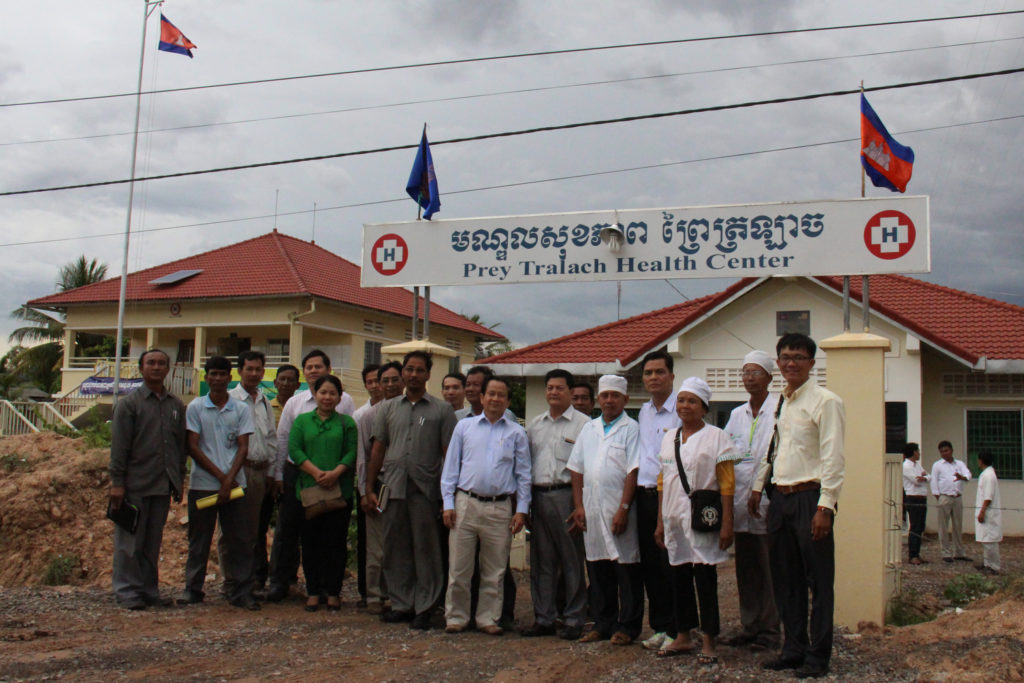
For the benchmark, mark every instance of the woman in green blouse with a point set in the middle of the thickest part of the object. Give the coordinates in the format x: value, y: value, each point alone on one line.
x: 322, y: 444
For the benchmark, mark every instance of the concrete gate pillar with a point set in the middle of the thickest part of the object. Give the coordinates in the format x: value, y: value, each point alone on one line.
x: 856, y: 372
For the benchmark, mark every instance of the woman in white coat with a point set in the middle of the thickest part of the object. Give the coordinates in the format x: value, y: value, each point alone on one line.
x: 988, y: 531
x: 706, y: 455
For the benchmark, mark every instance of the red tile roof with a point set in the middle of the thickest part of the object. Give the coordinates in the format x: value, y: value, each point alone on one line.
x: 622, y: 340
x: 274, y: 264
x: 966, y: 325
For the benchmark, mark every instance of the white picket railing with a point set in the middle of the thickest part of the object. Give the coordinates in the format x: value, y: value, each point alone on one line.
x: 12, y: 422
x: 892, y: 499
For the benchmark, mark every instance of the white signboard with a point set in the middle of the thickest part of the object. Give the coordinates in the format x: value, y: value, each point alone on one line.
x: 836, y: 237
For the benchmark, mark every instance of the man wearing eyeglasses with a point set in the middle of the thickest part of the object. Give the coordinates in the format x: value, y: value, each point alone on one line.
x: 750, y: 427
x: 806, y: 475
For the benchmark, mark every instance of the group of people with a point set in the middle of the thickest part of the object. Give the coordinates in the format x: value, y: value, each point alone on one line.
x: 946, y: 484
x: 616, y: 507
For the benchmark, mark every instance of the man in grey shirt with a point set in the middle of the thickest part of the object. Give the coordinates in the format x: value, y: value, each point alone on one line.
x: 410, y: 437
x: 147, y: 467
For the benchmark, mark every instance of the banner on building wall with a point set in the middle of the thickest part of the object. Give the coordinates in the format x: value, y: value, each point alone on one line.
x: 104, y: 386
x: 833, y: 237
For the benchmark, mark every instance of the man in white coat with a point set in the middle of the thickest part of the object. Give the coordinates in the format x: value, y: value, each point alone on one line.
x: 604, y: 464
x: 750, y: 427
x: 989, y: 529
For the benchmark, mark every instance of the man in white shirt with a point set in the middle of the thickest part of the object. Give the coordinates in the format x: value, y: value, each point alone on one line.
x: 806, y: 474
x: 604, y: 465
x: 258, y: 461
x: 556, y: 556
x: 915, y: 499
x: 485, y: 486
x: 948, y: 477
x: 751, y: 427
x: 989, y: 529
x: 284, y: 557
x: 371, y: 382
x: 657, y: 417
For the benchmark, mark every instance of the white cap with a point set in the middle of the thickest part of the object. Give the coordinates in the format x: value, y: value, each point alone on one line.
x: 697, y: 387
x: 612, y: 383
x: 760, y: 358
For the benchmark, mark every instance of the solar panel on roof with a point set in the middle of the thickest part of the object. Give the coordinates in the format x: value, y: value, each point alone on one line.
x: 175, y: 277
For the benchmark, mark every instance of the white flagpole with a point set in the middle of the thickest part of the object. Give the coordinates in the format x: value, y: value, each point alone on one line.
x: 148, y: 8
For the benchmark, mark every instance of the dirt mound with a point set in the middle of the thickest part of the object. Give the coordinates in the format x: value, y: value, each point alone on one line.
x: 53, y: 515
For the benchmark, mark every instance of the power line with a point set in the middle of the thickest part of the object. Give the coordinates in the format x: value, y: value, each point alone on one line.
x: 526, y: 131
x: 518, y: 91
x: 523, y: 183
x: 521, y: 55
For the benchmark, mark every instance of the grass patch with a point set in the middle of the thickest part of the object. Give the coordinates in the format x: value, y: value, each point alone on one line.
x: 10, y: 462
x: 908, y: 608
x: 967, y: 588
x: 60, y: 569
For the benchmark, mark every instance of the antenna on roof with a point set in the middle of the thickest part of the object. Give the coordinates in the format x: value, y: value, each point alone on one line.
x: 276, y: 193
x: 313, y: 241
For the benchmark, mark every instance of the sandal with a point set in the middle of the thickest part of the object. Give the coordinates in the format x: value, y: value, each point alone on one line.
x: 707, y: 660
x: 675, y: 651
x: 312, y: 604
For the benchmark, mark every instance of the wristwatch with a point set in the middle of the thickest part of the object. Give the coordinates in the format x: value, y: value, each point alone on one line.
x: 625, y: 506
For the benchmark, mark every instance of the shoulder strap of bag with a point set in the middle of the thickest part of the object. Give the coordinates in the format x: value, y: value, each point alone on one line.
x: 770, y: 457
x: 679, y: 461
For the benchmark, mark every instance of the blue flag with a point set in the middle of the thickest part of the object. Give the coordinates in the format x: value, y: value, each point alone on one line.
x: 422, y: 185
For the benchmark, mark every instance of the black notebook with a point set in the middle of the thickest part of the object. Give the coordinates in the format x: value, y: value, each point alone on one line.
x: 126, y: 516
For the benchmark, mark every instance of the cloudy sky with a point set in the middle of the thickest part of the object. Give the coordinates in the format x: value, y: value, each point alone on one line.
x: 971, y: 172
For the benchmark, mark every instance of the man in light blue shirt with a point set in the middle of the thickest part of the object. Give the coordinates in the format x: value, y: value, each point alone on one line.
x: 218, y: 441
x: 486, y: 475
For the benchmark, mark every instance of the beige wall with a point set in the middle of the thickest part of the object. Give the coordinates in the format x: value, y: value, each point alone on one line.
x: 946, y: 419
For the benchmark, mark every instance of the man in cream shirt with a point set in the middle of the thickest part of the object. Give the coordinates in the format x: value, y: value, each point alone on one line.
x: 806, y: 472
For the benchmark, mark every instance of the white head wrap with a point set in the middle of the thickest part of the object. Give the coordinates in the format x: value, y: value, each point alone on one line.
x: 760, y: 358
x: 697, y: 387
x: 612, y: 383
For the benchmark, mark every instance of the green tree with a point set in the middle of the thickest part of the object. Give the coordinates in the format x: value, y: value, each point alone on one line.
x: 487, y: 349
x: 40, y: 364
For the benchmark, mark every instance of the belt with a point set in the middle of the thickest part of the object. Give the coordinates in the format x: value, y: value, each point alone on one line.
x: 550, y: 487
x: 797, y: 488
x: 647, y: 489
x: 257, y: 464
x: 487, y: 499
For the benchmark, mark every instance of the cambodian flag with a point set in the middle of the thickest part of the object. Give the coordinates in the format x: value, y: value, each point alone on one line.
x: 173, y: 40
x: 887, y: 162
x: 422, y: 185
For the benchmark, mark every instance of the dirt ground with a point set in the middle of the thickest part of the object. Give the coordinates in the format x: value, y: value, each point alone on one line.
x: 53, y: 502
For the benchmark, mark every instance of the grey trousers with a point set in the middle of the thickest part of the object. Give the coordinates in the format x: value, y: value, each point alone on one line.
x: 412, y: 552
x: 374, y: 524
x: 255, y: 492
x: 754, y: 583
x: 135, y: 577
x: 951, y: 511
x: 556, y: 555
x: 237, y: 534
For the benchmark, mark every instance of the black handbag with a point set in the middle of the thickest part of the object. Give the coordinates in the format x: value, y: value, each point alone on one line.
x: 768, y: 487
x: 705, y: 504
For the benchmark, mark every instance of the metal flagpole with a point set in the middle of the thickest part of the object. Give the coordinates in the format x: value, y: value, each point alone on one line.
x: 865, y: 299
x: 147, y: 11
x: 416, y: 293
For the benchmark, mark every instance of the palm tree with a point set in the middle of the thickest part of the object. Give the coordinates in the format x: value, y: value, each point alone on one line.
x: 483, y: 350
x: 40, y: 362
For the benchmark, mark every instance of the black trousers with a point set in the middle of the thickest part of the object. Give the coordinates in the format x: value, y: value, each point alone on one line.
x: 685, y: 578
x: 617, y: 596
x: 916, y: 508
x: 325, y: 552
x: 801, y: 565
x: 284, y: 554
x: 654, y: 566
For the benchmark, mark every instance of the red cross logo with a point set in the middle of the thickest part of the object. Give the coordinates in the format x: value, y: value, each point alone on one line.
x: 889, y: 234
x: 389, y: 254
